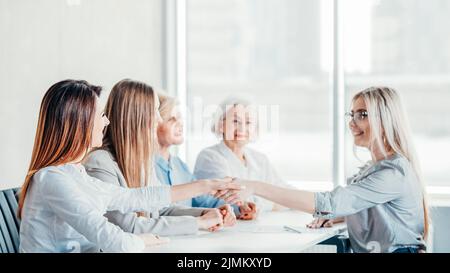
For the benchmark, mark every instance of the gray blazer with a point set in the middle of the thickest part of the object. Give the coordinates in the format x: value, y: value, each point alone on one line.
x: 172, y: 220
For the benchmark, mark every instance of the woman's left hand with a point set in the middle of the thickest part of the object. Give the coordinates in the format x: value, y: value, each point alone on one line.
x: 229, y: 218
x: 320, y: 222
x: 248, y: 211
x: 221, y: 185
x: 233, y: 196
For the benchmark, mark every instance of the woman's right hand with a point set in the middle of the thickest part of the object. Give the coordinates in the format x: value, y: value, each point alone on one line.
x: 320, y: 222
x: 248, y: 211
x: 211, y: 220
x: 151, y: 239
x: 238, y: 197
x: 221, y: 185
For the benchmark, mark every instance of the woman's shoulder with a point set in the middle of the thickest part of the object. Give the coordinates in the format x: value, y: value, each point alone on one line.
x: 99, y: 158
x: 397, y: 167
x: 397, y: 162
x: 178, y: 161
x: 60, y: 170
x: 54, y: 174
x: 211, y: 151
x: 257, y: 155
x: 210, y: 157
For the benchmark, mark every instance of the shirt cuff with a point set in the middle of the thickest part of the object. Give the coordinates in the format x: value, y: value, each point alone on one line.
x: 134, y: 244
x: 196, y: 212
x: 236, y: 209
x: 160, y: 196
x: 191, y: 225
x: 323, y: 208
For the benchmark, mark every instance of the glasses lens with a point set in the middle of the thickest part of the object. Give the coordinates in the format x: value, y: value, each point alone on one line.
x: 348, y: 117
x: 360, y: 116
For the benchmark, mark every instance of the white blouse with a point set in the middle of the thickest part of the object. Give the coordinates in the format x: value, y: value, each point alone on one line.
x: 219, y: 161
x: 64, y: 208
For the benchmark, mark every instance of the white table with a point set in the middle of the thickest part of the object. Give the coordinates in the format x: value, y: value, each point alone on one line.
x: 266, y: 234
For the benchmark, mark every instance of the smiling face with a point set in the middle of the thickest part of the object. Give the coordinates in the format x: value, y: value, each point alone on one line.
x: 170, y: 130
x: 239, y: 125
x: 360, y: 126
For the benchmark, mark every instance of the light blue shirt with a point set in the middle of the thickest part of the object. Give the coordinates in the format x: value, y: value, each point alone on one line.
x: 64, y: 208
x: 176, y: 172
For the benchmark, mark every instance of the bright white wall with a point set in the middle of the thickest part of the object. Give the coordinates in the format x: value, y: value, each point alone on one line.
x: 42, y: 42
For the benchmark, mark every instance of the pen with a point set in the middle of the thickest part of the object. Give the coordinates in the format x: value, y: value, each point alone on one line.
x: 292, y: 229
x: 336, y: 231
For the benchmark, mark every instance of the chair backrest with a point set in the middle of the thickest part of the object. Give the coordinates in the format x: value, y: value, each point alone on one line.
x: 9, y: 222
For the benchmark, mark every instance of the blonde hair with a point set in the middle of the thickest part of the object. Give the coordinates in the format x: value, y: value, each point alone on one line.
x: 166, y: 105
x: 390, y: 128
x: 130, y: 136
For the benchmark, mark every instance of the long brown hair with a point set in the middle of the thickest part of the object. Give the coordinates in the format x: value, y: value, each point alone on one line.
x: 64, y: 130
x: 131, y: 134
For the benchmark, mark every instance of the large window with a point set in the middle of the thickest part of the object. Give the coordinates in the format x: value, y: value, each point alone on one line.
x: 273, y: 52
x: 405, y: 44
x: 282, y: 52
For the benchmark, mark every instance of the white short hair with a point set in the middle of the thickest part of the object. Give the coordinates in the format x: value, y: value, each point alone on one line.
x: 224, y: 106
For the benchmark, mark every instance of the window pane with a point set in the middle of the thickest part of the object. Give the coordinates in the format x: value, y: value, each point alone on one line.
x: 278, y: 52
x: 405, y: 44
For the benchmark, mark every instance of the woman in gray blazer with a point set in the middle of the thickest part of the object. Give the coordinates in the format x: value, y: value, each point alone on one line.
x: 126, y: 160
x: 60, y: 206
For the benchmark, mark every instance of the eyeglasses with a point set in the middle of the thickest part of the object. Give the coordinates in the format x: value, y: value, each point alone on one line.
x: 357, y: 117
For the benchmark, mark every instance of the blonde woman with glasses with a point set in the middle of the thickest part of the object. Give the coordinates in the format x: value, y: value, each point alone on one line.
x: 384, y: 204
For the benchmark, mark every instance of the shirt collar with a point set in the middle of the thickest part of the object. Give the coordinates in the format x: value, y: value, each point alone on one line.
x: 164, y: 164
x: 228, y: 152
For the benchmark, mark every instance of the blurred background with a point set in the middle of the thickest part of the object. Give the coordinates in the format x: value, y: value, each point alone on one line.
x: 304, y: 59
x: 282, y: 53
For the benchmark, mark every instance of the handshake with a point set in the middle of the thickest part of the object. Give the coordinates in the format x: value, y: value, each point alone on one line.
x: 232, y: 191
x: 213, y: 219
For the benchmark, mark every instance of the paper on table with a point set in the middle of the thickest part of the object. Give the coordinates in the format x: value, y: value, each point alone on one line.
x: 335, y: 229
x: 308, y: 230
x: 280, y: 229
x: 260, y: 229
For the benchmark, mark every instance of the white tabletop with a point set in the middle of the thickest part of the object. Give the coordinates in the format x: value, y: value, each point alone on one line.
x: 266, y: 234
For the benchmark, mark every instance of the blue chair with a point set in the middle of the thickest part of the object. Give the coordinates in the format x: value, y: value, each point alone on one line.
x: 9, y: 222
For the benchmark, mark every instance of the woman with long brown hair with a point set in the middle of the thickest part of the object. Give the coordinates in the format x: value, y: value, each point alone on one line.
x: 126, y: 160
x: 61, y: 207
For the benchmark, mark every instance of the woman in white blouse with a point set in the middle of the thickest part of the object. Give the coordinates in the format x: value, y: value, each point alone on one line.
x: 236, y: 125
x: 60, y: 206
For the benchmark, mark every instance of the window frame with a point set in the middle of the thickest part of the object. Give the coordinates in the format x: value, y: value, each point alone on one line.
x: 175, y: 82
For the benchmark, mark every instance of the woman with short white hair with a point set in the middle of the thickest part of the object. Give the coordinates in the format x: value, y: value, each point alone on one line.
x: 236, y: 125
